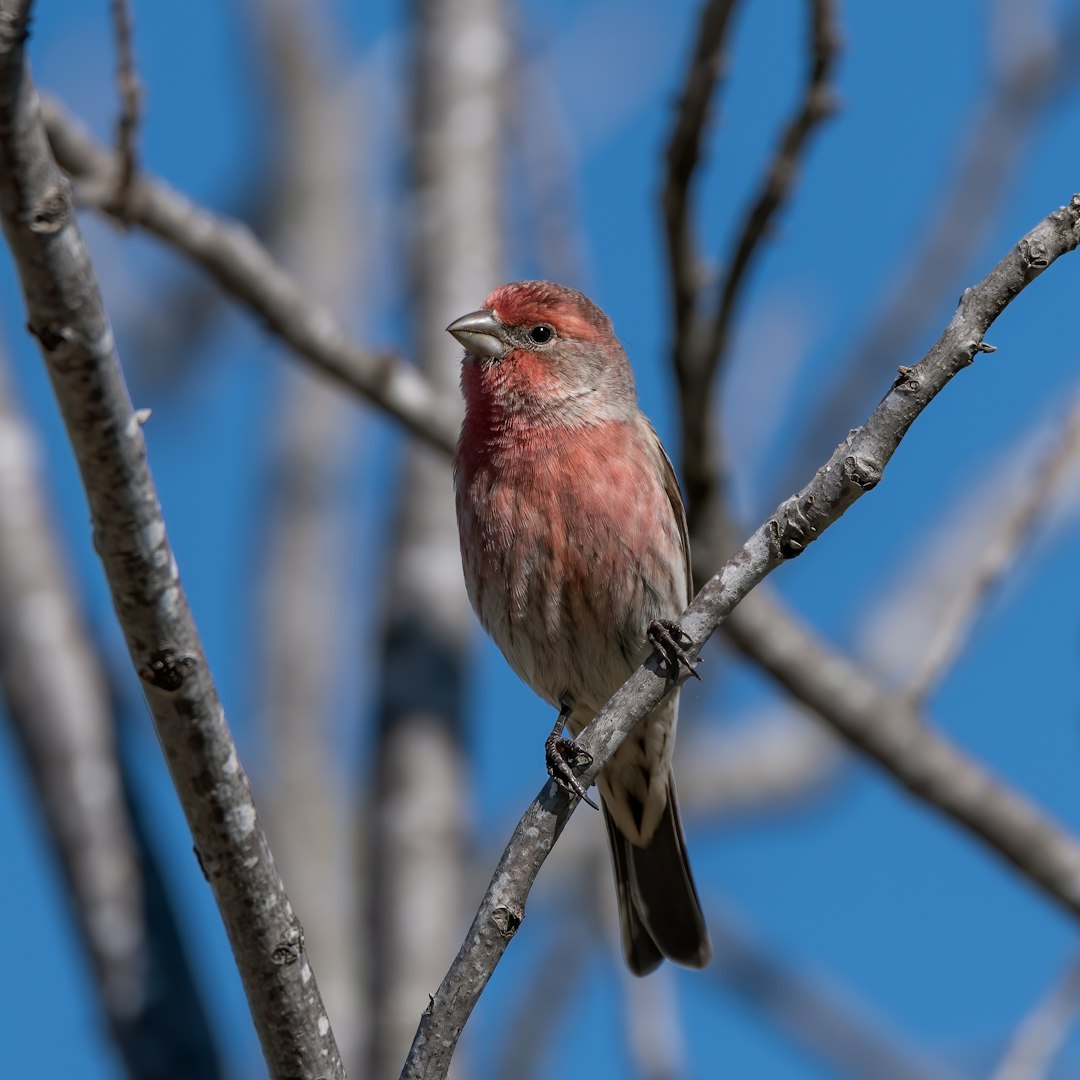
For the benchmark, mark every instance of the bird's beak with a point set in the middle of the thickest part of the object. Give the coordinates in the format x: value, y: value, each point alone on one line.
x: 481, y: 333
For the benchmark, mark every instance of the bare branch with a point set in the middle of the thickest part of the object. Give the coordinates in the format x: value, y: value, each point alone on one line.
x: 1040, y: 1037
x: 1016, y: 526
x: 926, y: 763
x: 698, y: 348
x: 130, y: 106
x: 62, y: 710
x: 683, y: 156
x: 229, y: 252
x: 67, y: 317
x: 815, y: 106
x: 887, y: 729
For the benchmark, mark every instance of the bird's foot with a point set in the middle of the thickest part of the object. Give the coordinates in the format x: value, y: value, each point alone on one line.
x: 670, y: 641
x: 564, y: 757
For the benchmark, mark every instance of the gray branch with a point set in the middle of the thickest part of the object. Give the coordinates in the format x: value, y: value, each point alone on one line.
x: 684, y: 151
x: 68, y: 318
x: 930, y: 766
x: 234, y: 258
x: 702, y: 328
x: 127, y: 81
x: 814, y: 106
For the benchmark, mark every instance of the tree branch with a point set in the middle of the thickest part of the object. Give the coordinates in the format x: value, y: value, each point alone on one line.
x: 130, y: 105
x: 683, y: 156
x: 887, y: 729
x: 698, y: 348
x: 815, y: 106
x: 67, y: 317
x: 59, y: 708
x: 229, y: 252
x: 926, y: 763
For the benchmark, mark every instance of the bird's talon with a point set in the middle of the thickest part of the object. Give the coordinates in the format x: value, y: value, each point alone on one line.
x: 667, y: 637
x: 563, y: 757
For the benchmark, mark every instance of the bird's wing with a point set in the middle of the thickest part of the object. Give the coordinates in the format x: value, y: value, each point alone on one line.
x: 674, y: 494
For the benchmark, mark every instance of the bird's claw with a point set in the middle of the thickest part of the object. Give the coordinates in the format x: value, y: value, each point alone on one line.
x: 668, y: 638
x: 563, y: 757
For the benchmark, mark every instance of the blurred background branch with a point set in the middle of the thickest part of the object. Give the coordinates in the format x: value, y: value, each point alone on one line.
x: 59, y: 704
x: 702, y: 325
x: 303, y: 624
x: 420, y: 805
x: 230, y: 253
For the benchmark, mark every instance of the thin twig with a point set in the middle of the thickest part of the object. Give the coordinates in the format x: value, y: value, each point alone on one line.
x: 930, y: 766
x: 66, y: 315
x: 127, y: 126
x: 1040, y: 1037
x: 1017, y: 526
x: 682, y: 158
x: 816, y: 105
x: 700, y: 334
x: 229, y: 252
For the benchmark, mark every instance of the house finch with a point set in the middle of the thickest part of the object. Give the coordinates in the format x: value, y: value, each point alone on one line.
x: 573, y: 543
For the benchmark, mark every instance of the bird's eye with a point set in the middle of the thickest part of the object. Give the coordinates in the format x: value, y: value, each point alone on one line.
x: 541, y: 334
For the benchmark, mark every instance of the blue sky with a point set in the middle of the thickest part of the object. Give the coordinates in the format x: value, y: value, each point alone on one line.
x: 861, y: 888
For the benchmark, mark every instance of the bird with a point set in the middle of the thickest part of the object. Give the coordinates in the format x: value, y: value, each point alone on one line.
x: 576, y: 561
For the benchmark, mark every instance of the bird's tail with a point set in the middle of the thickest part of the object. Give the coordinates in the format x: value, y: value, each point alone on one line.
x: 659, y: 912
